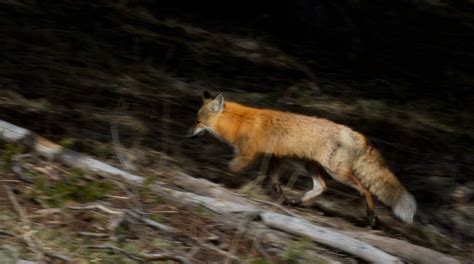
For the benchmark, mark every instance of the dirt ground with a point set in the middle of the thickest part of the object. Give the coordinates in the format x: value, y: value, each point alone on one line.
x: 57, y: 220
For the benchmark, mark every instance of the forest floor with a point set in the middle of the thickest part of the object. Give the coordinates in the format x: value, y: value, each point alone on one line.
x: 54, y: 213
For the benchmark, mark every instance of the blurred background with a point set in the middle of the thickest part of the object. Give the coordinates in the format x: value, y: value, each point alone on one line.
x: 89, y: 73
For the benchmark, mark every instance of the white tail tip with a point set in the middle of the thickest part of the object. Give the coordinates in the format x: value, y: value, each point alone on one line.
x: 405, y: 208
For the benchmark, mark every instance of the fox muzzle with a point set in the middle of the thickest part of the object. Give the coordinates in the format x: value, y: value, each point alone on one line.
x: 195, y: 132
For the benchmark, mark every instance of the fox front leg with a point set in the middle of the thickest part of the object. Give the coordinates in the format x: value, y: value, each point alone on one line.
x: 241, y: 161
x: 274, y: 174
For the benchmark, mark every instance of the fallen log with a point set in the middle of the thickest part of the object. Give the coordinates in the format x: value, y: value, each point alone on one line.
x: 219, y: 206
x: 12, y: 133
x: 326, y: 236
x: 401, y: 248
x: 206, y: 188
x: 404, y: 249
x: 280, y: 240
x: 289, y: 224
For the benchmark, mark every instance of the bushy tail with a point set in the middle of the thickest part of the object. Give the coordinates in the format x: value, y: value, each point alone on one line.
x: 370, y: 169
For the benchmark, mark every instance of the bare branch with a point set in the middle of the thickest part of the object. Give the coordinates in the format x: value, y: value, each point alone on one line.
x: 116, y: 221
x: 328, y: 237
x: 96, y: 206
x: 18, y: 170
x: 261, y: 250
x: 152, y: 223
x: 279, y: 206
x: 35, y: 246
x: 141, y: 256
x: 6, y: 233
x: 238, y: 236
x: 91, y: 234
x: 16, y: 205
x: 130, y: 194
x: 117, y: 146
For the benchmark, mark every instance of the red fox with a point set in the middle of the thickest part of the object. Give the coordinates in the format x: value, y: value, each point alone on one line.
x: 326, y: 146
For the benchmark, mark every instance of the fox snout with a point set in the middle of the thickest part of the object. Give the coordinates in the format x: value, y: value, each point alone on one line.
x: 195, y: 131
x: 207, y: 115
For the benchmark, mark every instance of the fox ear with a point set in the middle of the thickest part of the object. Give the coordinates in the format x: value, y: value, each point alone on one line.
x: 218, y: 103
x: 206, y: 95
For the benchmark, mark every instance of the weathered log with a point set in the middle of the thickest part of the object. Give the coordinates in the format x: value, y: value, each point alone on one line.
x: 75, y: 159
x: 216, y: 205
x: 12, y: 133
x: 326, y: 236
x: 206, y: 188
x: 289, y: 224
x: 21, y: 261
x: 404, y: 249
x: 44, y: 147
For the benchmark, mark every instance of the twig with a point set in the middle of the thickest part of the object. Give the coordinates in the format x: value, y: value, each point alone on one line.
x: 11, y: 181
x: 116, y: 141
x: 21, y: 261
x: 152, y: 223
x: 116, y: 222
x: 165, y: 127
x: 18, y: 170
x: 20, y: 210
x: 35, y: 247
x: 165, y: 212
x: 121, y: 214
x: 261, y: 250
x: 165, y: 257
x: 131, y: 195
x: 48, y: 211
x: 26, y: 239
x: 193, y: 252
x: 218, y: 250
x: 117, y: 197
x: 6, y: 233
x: 279, y: 206
x: 91, y: 234
x: 140, y: 256
x: 172, y: 230
x: 96, y: 206
x: 114, y: 249
x: 238, y: 236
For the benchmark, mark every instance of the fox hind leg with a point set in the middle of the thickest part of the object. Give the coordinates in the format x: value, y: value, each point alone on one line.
x: 346, y: 177
x: 319, y: 185
x: 371, y: 217
x: 373, y: 220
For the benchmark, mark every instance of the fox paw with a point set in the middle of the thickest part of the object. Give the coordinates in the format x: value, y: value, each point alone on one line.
x: 292, y: 201
x: 276, y: 188
x: 373, y: 221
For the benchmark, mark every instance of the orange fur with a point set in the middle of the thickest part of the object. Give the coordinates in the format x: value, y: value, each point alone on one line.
x: 342, y: 152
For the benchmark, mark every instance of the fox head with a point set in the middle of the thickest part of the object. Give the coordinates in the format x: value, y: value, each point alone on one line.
x: 208, y: 114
